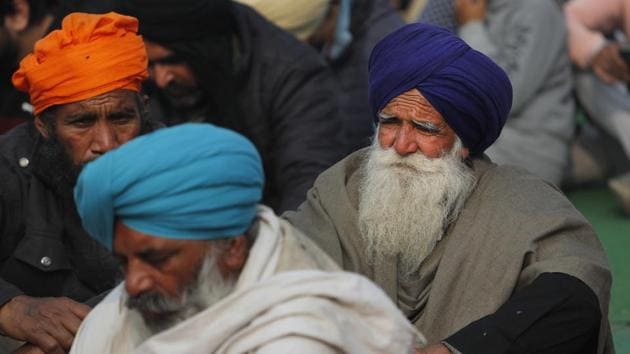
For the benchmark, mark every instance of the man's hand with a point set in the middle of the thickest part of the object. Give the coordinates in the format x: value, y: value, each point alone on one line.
x: 609, y: 66
x: 470, y: 10
x: 48, y: 323
x: 433, y: 349
x: 28, y: 349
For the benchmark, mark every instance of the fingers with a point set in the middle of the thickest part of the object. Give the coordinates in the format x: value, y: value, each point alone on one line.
x: 52, y: 335
x: 49, y: 323
x: 62, y: 335
x: 71, y: 323
x: 609, y: 66
x: 28, y: 349
x: 603, y: 75
x: 45, y: 342
x: 77, y: 308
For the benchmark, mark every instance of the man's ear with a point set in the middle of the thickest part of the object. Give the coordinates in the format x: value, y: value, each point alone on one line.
x: 18, y: 21
x: 465, y: 152
x: 235, y: 255
x: 42, y: 127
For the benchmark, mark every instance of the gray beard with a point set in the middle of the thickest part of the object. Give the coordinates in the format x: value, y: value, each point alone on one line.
x: 406, y: 203
x: 208, y: 288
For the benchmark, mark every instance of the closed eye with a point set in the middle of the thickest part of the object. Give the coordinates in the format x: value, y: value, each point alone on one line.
x: 384, y: 118
x: 157, y: 258
x: 427, y: 127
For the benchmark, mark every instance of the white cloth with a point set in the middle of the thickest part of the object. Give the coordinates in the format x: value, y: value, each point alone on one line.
x: 289, y: 298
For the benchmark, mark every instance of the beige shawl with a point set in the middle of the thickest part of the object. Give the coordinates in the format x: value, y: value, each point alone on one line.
x: 513, y: 227
x: 290, y: 297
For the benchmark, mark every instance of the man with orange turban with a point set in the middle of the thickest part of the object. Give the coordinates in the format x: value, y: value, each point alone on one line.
x: 84, y: 83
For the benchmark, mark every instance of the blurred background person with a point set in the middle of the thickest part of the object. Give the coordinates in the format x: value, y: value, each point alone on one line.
x: 528, y: 40
x: 220, y: 62
x: 598, y: 46
x: 23, y: 23
x: 409, y: 9
x: 344, y: 32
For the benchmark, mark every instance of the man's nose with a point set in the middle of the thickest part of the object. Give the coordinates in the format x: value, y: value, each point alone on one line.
x: 405, y: 142
x: 137, y: 280
x: 161, y: 75
x: 104, y: 139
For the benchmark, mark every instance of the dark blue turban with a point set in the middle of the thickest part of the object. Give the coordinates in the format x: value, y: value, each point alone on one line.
x: 473, y: 94
x: 192, y: 181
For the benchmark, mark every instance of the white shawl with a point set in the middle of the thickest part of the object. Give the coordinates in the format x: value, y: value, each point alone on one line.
x: 283, y: 302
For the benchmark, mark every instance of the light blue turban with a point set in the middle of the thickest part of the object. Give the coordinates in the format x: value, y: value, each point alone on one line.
x: 192, y: 181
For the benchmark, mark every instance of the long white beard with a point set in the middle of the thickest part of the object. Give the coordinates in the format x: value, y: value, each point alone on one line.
x: 406, y: 203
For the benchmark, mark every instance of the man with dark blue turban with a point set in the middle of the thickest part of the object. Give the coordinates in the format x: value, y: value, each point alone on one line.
x: 207, y: 269
x: 481, y: 258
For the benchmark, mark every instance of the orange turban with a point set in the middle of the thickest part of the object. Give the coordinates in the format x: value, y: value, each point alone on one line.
x: 90, y: 55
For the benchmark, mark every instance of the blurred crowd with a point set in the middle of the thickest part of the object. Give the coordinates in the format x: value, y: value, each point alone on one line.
x: 567, y: 63
x: 302, y: 82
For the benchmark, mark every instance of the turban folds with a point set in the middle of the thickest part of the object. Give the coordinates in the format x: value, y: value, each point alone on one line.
x: 90, y: 55
x: 192, y: 181
x: 471, y: 92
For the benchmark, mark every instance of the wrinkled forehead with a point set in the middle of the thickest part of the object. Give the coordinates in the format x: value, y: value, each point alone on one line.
x: 128, y: 241
x: 414, y: 104
x: 411, y: 98
x: 120, y: 100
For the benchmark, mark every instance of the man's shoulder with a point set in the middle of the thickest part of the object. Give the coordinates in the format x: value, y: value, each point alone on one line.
x: 339, y: 173
x: 16, y: 148
x: 301, y: 253
x: 513, y: 189
x: 538, y: 10
x: 17, y: 141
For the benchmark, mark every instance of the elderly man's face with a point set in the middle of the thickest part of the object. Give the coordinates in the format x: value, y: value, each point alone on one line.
x: 90, y: 128
x: 156, y: 264
x: 169, y: 280
x: 173, y: 76
x: 410, y: 124
x: 415, y: 183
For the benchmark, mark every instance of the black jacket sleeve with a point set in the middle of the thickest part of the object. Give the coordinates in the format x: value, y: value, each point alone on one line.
x: 556, y: 313
x: 7, y: 290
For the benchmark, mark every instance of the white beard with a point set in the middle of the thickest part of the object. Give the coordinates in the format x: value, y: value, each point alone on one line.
x: 209, y: 287
x: 406, y: 203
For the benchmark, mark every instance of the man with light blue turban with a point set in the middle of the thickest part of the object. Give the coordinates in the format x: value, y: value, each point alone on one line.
x: 207, y: 269
x: 481, y: 258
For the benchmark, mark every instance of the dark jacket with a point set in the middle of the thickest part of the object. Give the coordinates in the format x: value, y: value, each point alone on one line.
x: 371, y: 21
x: 289, y: 110
x: 44, y: 251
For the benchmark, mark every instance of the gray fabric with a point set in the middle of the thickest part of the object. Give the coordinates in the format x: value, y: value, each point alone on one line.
x: 8, y: 345
x: 528, y: 40
x: 607, y: 105
x: 513, y: 227
x: 439, y: 13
